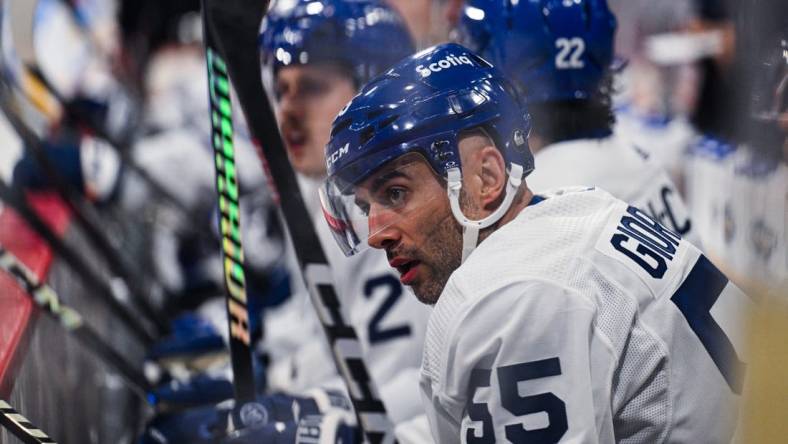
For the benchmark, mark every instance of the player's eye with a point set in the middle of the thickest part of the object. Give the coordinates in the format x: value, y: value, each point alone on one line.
x: 394, y: 196
x: 313, y: 87
x: 280, y: 89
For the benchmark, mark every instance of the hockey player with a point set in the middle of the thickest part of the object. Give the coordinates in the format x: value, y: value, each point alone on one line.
x: 740, y: 191
x: 562, y: 316
x: 652, y: 101
x: 699, y: 94
x: 735, y: 173
x: 559, y: 55
x: 316, y: 56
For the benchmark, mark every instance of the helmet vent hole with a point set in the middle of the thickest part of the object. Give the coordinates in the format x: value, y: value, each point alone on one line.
x: 374, y: 114
x: 366, y: 134
x: 341, y: 126
x: 387, y: 121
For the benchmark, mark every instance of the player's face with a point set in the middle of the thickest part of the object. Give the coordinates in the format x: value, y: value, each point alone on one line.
x: 421, y: 237
x: 309, y: 98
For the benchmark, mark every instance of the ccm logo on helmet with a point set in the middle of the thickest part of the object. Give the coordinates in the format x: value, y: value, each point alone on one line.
x: 449, y: 61
x: 336, y: 155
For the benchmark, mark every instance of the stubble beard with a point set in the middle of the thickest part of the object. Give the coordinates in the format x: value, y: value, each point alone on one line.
x: 443, y: 247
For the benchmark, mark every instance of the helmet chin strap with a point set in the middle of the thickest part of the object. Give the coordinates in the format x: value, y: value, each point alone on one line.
x: 470, y: 232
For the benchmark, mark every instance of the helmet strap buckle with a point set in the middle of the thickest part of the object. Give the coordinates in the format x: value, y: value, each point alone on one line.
x: 471, y: 228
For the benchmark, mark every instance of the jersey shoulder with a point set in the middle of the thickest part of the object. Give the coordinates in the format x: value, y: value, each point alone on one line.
x: 571, y: 237
x: 541, y: 241
x: 610, y: 163
x: 543, y: 245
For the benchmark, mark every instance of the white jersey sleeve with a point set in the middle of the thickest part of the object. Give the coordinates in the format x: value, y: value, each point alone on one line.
x: 584, y: 320
x: 620, y: 168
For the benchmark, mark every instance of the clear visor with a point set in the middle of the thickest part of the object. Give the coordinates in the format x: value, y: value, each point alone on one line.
x: 368, y: 212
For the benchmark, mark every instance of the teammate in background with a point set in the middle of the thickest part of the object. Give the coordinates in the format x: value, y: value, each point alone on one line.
x: 735, y: 173
x: 698, y: 51
x: 559, y: 55
x: 745, y: 217
x: 317, y: 55
x: 571, y: 304
x: 653, y: 100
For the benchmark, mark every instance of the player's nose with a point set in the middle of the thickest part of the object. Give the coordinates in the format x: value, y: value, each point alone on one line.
x: 383, y: 233
x: 291, y: 106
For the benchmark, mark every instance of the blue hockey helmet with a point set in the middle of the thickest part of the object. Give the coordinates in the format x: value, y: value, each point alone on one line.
x: 421, y: 106
x: 553, y: 49
x: 366, y: 36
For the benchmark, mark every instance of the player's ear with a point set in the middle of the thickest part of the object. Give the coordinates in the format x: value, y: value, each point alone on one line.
x: 493, y: 177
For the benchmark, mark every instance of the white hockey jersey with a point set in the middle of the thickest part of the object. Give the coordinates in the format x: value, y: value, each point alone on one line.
x: 618, y: 167
x: 583, y: 320
x: 664, y: 139
x: 739, y: 201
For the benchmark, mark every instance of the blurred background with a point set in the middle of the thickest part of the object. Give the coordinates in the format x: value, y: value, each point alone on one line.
x: 115, y: 93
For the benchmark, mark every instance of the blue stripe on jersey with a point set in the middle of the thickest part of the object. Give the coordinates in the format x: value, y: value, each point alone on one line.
x: 695, y: 297
x: 535, y: 200
x: 650, y: 120
x: 712, y: 148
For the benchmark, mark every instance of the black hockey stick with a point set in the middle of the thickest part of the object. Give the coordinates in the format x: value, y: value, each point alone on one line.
x: 84, y: 215
x: 48, y: 301
x: 231, y: 30
x: 21, y: 427
x: 230, y: 223
x: 99, y: 288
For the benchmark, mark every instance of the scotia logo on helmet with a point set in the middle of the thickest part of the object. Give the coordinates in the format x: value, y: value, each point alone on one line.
x: 448, y: 62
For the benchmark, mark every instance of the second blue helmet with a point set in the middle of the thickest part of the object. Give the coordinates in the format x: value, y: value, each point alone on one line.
x: 552, y: 49
x: 366, y: 36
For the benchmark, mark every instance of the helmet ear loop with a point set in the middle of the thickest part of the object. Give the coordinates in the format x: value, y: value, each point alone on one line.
x: 471, y: 228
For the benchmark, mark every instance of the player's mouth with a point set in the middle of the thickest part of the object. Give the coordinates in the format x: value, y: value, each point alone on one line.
x: 408, y: 269
x: 295, y: 141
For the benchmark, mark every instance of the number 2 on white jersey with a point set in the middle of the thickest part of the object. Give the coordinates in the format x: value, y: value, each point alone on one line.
x: 376, y: 332
x: 570, y: 51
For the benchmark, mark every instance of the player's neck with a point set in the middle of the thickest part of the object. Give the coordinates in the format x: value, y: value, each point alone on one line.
x: 536, y: 142
x: 523, y: 198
